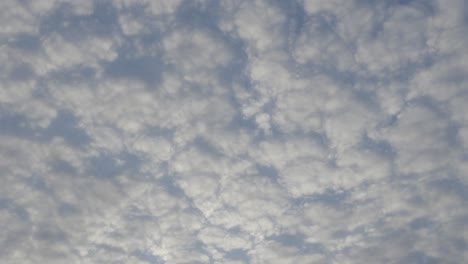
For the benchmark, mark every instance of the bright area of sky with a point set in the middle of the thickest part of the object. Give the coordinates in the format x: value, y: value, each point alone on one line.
x: 301, y: 131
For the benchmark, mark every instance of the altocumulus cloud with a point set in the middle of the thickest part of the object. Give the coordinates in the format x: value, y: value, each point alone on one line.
x: 302, y: 131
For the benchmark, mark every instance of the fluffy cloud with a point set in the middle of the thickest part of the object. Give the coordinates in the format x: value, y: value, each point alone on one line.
x: 233, y: 132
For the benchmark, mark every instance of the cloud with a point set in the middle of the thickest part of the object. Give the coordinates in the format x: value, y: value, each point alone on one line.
x: 233, y: 132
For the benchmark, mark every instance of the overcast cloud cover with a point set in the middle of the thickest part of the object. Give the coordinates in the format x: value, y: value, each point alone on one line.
x: 298, y: 131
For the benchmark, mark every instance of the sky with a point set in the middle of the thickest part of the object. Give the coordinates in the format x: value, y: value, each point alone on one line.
x: 230, y: 131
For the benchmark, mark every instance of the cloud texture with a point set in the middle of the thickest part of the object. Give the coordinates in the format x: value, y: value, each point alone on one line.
x: 313, y: 131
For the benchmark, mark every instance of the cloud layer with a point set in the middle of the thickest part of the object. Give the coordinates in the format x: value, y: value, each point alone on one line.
x: 313, y: 131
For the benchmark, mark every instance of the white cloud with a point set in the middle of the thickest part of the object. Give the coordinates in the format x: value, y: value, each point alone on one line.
x: 237, y: 132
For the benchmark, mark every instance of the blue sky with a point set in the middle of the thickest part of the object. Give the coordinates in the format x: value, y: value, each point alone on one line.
x: 313, y: 131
